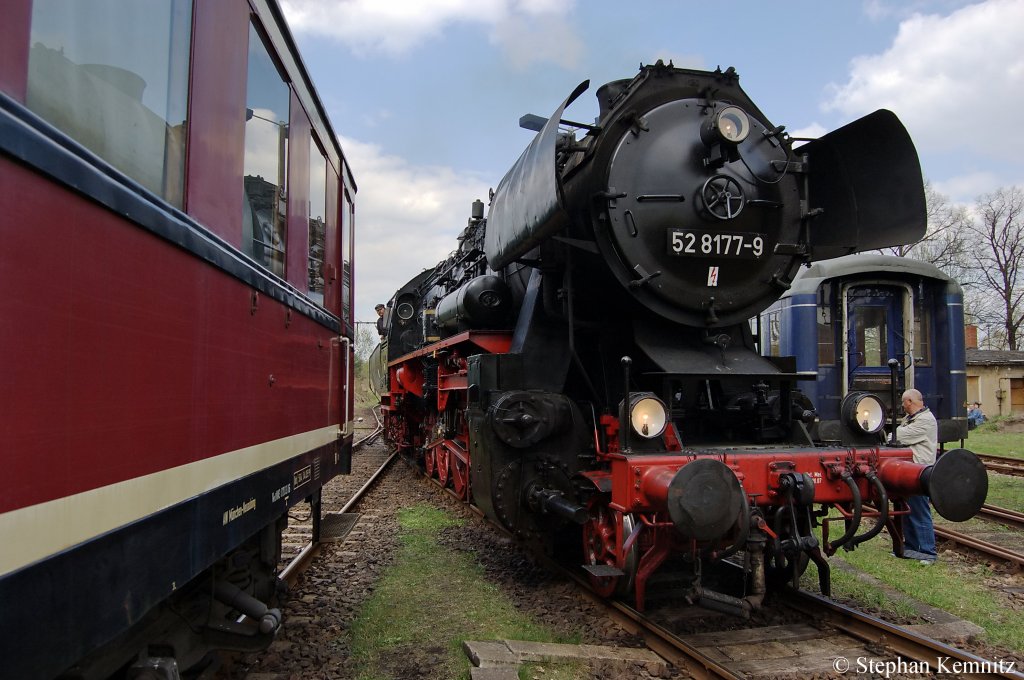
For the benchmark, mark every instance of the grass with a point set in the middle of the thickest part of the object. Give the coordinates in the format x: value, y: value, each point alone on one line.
x: 970, y: 598
x: 1006, y: 492
x: 431, y: 600
x: 998, y: 437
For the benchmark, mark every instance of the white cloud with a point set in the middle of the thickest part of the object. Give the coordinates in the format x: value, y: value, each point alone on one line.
x: 879, y: 10
x: 964, y: 189
x: 407, y: 219
x: 537, y: 38
x: 956, y: 81
x: 528, y: 30
x: 810, y: 131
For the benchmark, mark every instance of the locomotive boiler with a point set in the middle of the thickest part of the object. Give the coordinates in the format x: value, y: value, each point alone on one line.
x: 582, y: 367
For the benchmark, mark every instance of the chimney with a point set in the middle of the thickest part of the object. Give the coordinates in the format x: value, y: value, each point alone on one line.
x: 970, y: 336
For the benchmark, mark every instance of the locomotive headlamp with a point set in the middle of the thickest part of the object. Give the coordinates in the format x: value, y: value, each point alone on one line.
x: 865, y: 412
x: 730, y: 125
x: 647, y: 415
x: 405, y: 311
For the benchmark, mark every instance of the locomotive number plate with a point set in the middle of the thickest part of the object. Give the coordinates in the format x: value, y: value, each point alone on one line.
x: 687, y: 243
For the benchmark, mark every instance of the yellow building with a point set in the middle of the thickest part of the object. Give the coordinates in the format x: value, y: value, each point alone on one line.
x: 996, y: 379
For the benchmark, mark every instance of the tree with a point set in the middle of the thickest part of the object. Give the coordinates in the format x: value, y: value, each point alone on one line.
x: 366, y: 339
x: 943, y: 243
x: 997, y: 260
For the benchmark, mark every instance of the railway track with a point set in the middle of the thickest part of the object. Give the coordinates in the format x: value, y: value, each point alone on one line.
x: 1010, y: 518
x: 1003, y: 465
x: 983, y: 547
x: 834, y: 639
x: 299, y: 541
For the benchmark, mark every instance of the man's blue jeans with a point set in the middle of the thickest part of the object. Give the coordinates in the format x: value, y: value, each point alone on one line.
x: 918, y: 532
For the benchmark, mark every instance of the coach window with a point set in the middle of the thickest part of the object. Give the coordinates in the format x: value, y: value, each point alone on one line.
x: 113, y: 75
x: 826, y: 344
x: 317, y: 219
x: 871, y: 335
x: 346, y: 254
x: 922, y: 334
x: 266, y: 157
x: 774, y: 335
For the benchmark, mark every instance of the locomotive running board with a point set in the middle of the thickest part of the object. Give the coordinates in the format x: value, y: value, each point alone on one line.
x: 603, y: 570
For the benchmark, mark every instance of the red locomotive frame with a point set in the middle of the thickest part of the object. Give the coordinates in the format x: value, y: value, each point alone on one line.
x: 628, y: 528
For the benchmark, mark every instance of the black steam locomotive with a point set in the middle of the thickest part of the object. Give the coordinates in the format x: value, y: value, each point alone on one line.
x: 583, y: 362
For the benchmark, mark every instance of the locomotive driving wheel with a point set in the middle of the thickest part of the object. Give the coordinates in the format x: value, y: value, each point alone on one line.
x: 601, y: 547
x: 442, y: 456
x: 429, y: 462
x: 460, y: 476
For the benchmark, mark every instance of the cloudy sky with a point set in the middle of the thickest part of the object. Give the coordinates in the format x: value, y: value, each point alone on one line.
x: 426, y: 94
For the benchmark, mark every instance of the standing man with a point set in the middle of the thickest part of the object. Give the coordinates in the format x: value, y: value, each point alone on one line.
x: 920, y: 432
x: 381, y: 329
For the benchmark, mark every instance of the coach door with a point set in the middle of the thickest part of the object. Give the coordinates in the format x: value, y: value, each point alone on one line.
x: 877, y: 331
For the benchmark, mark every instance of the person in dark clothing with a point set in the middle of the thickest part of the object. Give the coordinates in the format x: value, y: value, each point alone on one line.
x: 382, y: 330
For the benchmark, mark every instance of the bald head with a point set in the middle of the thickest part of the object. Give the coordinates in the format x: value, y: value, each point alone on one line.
x: 913, y: 401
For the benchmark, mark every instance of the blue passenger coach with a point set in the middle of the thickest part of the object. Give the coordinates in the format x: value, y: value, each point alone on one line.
x: 845, y: 319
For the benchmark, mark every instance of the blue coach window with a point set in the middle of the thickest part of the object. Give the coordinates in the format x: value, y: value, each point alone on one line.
x: 922, y: 334
x: 826, y: 344
x: 113, y: 75
x: 264, y: 214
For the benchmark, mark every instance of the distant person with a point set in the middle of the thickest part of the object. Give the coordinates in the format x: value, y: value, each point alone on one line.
x: 975, y: 417
x: 920, y: 432
x: 381, y: 328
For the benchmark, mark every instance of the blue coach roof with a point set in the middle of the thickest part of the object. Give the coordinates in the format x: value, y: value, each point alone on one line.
x: 871, y: 266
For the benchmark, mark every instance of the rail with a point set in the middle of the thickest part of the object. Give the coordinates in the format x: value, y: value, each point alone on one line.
x: 1005, y: 516
x: 1003, y: 464
x: 304, y: 558
x: 905, y: 643
x: 980, y: 546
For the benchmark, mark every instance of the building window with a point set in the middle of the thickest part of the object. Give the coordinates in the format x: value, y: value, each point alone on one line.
x: 317, y: 219
x: 264, y: 215
x: 113, y: 75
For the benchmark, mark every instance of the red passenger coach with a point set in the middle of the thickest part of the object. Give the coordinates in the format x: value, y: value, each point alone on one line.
x: 175, y: 328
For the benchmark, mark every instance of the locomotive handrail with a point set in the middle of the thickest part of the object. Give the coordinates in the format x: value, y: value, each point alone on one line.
x: 346, y: 415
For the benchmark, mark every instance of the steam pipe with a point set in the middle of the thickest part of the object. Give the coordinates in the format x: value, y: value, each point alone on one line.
x: 552, y: 501
x: 855, y: 522
x: 883, y: 511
